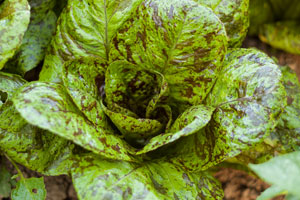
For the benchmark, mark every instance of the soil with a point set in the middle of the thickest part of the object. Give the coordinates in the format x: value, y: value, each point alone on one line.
x: 237, y: 185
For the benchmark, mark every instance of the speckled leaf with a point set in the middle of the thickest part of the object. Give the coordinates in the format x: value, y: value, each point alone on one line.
x: 31, y: 188
x: 36, y: 39
x: 84, y: 81
x: 134, y: 129
x: 182, y: 40
x: 282, y: 35
x: 286, y: 137
x: 188, y: 123
x: 14, y: 19
x: 48, y: 106
x: 34, y: 148
x: 9, y: 83
x: 288, y: 129
x: 283, y: 172
x: 234, y: 15
x: 95, y: 178
x: 131, y: 87
x: 91, y: 35
x: 249, y: 98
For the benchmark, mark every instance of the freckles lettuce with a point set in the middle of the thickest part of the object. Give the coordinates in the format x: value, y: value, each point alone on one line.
x: 138, y: 99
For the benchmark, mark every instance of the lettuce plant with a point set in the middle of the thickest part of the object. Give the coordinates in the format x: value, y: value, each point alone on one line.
x: 276, y: 22
x: 138, y: 99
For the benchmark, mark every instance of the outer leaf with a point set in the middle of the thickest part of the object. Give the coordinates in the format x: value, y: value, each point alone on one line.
x: 234, y: 15
x: 48, y: 106
x: 182, y: 40
x: 5, y: 185
x: 9, y: 83
x: 32, y: 188
x: 91, y: 35
x: 84, y: 81
x: 286, y: 137
x: 14, y: 19
x: 282, y: 35
x: 37, y: 37
x: 34, y: 148
x: 188, y: 123
x: 283, y: 172
x: 95, y: 178
x: 249, y: 97
x: 288, y: 129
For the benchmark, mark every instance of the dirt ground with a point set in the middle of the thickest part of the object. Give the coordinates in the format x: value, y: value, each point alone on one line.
x: 237, y: 185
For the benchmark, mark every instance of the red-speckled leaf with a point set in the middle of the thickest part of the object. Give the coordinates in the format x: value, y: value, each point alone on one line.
x: 184, y: 41
x: 85, y: 29
x: 234, y: 15
x: 95, y: 178
x: 34, y: 148
x: 286, y: 137
x: 48, y: 106
x: 249, y: 98
x: 84, y: 80
x: 134, y: 129
x: 188, y: 123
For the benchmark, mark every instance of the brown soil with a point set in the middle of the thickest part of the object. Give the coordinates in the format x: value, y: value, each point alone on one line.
x: 237, y: 185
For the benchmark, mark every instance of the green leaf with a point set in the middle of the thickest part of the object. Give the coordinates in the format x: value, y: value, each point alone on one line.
x: 248, y: 97
x: 14, y: 19
x: 234, y: 15
x: 95, y: 178
x: 286, y: 137
x: 270, y: 193
x: 32, y: 188
x: 34, y: 148
x: 48, y: 106
x: 84, y: 81
x: 130, y: 87
x: 184, y: 41
x: 5, y: 184
x: 288, y: 129
x: 134, y: 129
x: 91, y: 35
x: 9, y: 83
x: 282, y: 35
x: 283, y: 172
x: 188, y: 123
x: 36, y: 39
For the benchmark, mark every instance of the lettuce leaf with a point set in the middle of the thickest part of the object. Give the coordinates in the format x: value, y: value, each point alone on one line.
x: 248, y: 97
x: 283, y: 172
x: 34, y: 148
x: 95, y: 178
x: 235, y: 17
x: 91, y: 35
x: 286, y: 137
x: 14, y: 20
x: 36, y: 38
